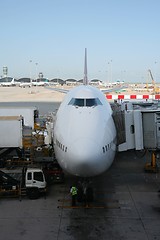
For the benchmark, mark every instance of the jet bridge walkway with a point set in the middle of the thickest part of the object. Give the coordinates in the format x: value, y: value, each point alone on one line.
x: 138, y: 128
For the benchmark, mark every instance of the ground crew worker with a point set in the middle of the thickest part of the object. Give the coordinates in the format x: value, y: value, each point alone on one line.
x: 73, y: 192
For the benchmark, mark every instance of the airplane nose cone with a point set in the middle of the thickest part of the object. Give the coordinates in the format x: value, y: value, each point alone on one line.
x: 84, y: 156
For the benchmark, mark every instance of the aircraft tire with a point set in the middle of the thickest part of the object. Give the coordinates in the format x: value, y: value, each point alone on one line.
x: 89, y: 194
x: 80, y: 195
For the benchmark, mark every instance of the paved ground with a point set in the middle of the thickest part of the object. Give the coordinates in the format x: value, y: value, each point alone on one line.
x: 126, y: 206
x: 17, y: 94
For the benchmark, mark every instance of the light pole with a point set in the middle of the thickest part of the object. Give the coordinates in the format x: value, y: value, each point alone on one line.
x: 36, y: 74
x: 30, y: 72
x: 155, y: 72
x: 110, y: 71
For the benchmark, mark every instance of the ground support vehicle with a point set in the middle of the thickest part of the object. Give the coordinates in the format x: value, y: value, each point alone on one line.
x: 53, y: 173
x: 30, y: 182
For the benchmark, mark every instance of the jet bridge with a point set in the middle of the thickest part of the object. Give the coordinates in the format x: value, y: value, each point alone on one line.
x: 141, y: 129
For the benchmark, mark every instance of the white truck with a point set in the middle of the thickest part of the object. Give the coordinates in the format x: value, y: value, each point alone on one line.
x: 30, y: 182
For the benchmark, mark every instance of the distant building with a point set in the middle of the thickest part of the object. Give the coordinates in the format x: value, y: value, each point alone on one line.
x: 71, y: 82
x: 57, y: 81
x: 24, y: 80
x: 95, y: 82
x: 5, y: 71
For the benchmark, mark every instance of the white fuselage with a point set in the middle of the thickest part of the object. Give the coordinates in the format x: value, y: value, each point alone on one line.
x: 7, y: 84
x: 84, y: 132
x: 40, y: 83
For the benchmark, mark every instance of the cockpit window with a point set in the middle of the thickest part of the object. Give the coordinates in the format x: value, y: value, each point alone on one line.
x: 93, y: 102
x: 87, y: 102
x: 77, y: 102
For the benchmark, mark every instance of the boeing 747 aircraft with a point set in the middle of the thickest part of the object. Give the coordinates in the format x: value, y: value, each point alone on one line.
x: 84, y: 131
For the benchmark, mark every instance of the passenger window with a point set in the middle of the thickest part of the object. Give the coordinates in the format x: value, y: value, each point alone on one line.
x: 103, y: 150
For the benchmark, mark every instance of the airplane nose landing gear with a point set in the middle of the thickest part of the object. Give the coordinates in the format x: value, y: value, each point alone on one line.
x: 85, y: 192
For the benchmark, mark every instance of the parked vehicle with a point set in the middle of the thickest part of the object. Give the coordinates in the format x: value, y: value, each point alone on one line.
x: 30, y: 182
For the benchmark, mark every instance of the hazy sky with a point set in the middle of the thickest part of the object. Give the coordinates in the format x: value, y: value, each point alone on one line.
x: 122, y: 38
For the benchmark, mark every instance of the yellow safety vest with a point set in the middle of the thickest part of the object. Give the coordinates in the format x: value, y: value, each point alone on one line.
x: 73, y: 191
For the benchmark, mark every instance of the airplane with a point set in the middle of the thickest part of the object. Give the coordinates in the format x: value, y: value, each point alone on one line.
x: 39, y: 83
x: 25, y: 84
x: 84, y: 133
x: 7, y: 83
x: 34, y: 83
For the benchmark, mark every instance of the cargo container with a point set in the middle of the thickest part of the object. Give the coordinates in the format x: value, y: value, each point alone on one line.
x: 11, y: 131
x: 28, y: 113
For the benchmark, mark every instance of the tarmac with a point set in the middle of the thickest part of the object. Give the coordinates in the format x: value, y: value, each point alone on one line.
x: 43, y: 94
x: 11, y: 94
x: 126, y: 206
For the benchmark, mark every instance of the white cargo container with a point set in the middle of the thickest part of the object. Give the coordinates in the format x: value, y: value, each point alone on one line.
x: 11, y: 134
x: 27, y: 113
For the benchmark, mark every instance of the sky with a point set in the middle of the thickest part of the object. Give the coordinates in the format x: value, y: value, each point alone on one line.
x: 122, y: 38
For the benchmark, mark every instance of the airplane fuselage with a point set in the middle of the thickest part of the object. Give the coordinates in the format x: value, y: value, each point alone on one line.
x: 84, y: 132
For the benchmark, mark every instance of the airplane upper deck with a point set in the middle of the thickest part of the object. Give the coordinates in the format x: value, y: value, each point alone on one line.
x: 85, y: 91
